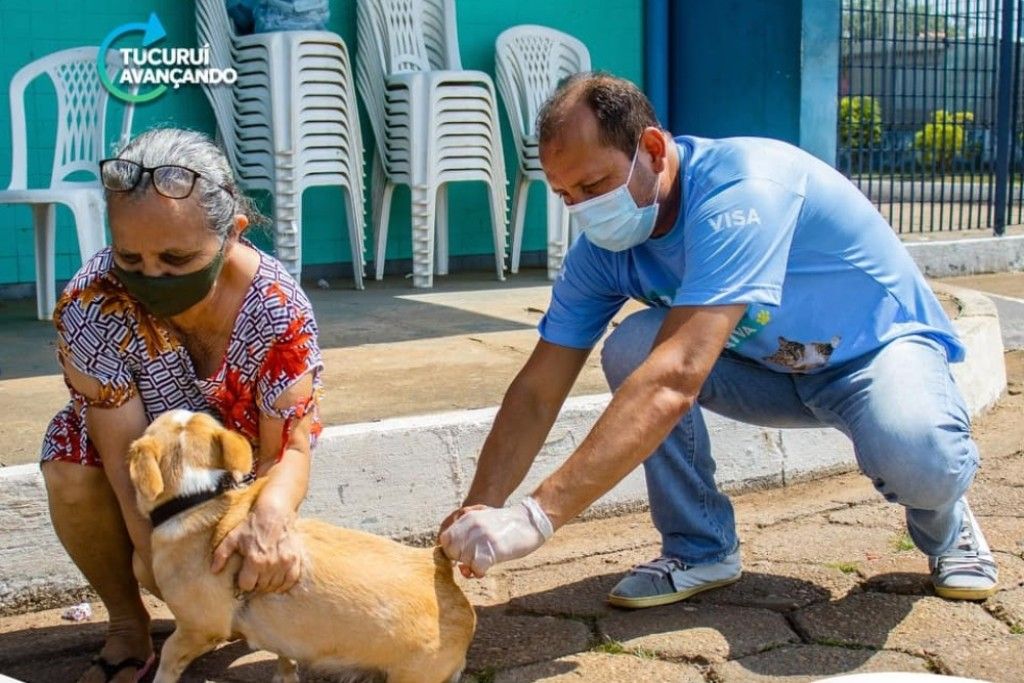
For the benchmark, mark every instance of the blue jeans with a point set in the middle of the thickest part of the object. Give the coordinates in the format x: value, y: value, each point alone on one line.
x: 899, y: 406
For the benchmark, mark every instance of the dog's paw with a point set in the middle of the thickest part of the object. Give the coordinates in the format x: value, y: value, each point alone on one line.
x: 287, y: 671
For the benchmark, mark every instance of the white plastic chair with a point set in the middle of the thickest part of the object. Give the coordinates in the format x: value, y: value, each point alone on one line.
x: 530, y: 62
x: 289, y: 123
x: 80, y: 145
x: 434, y: 124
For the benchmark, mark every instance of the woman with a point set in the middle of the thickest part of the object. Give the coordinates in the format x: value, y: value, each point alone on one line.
x: 180, y: 312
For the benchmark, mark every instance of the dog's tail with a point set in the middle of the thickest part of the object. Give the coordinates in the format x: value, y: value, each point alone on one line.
x: 441, y: 560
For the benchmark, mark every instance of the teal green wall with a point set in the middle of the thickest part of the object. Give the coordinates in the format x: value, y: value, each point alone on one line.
x: 612, y: 29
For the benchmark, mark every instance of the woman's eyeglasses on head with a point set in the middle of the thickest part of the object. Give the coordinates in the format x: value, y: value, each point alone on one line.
x: 169, y: 180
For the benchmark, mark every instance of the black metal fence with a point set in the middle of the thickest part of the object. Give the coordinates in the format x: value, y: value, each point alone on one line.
x: 930, y: 111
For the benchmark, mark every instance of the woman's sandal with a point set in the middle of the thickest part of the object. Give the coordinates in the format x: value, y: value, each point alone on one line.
x: 110, y: 670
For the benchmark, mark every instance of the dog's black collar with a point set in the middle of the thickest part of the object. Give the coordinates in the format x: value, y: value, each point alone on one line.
x: 163, y: 512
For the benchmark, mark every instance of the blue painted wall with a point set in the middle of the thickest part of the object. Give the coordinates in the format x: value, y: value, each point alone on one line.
x: 736, y: 68
x: 819, y: 78
x: 749, y: 67
x: 612, y: 29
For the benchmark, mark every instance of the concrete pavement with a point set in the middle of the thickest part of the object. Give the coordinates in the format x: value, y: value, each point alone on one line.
x: 1007, y: 293
x: 389, y: 351
x: 398, y: 476
x: 829, y: 590
x: 830, y: 586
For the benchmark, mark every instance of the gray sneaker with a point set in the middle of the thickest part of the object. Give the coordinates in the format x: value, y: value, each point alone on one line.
x: 967, y: 571
x: 668, y: 579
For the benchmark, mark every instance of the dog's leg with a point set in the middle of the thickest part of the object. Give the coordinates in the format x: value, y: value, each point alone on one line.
x: 415, y: 674
x: 287, y: 672
x: 179, y: 651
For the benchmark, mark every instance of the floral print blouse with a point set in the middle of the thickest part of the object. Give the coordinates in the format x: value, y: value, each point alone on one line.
x: 104, y: 333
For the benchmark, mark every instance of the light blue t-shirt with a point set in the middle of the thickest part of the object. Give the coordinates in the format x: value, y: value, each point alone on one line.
x: 765, y: 224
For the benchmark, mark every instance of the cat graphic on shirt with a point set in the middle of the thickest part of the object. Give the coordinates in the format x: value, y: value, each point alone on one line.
x: 799, y: 357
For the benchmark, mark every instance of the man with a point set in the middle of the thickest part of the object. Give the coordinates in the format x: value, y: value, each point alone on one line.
x: 778, y: 296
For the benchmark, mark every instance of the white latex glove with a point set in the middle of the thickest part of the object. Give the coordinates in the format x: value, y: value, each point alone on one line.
x: 482, y: 538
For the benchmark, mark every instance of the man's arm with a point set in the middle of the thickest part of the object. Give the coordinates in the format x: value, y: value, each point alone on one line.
x: 524, y: 420
x: 643, y: 411
x: 641, y: 414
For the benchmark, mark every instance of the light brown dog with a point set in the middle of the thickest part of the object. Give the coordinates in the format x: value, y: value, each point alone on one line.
x: 364, y: 605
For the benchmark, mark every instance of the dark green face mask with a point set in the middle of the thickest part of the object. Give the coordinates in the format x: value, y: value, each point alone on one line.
x: 168, y: 295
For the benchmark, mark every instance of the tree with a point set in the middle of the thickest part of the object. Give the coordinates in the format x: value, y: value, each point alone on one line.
x: 880, y: 19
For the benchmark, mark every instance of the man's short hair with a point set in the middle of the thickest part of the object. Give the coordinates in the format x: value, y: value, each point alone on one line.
x: 622, y: 111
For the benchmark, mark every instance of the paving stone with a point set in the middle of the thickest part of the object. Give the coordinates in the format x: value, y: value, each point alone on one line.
x: 791, y: 536
x: 907, y: 573
x: 699, y: 633
x: 807, y: 663
x: 781, y: 586
x: 230, y: 663
x: 1007, y: 470
x: 1011, y: 570
x: 488, y: 591
x: 593, y: 666
x: 774, y: 506
x: 504, y: 640
x: 234, y: 663
x: 997, y: 432
x: 745, y: 529
x: 1008, y: 606
x: 885, y: 516
x: 577, y: 588
x: 820, y: 543
x: 916, y: 625
x: 999, y: 659
x: 997, y: 499
x: 1004, y: 533
x: 904, y: 573
x: 581, y: 539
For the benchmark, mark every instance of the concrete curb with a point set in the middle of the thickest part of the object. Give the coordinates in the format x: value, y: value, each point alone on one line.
x: 982, y: 375
x: 400, y: 477
x: 948, y: 258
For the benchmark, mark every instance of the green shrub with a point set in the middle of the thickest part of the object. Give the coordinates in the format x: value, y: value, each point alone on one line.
x: 942, y: 138
x: 860, y: 121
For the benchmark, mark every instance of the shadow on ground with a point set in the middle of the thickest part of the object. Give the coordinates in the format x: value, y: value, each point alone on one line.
x: 739, y: 625
x: 388, y: 311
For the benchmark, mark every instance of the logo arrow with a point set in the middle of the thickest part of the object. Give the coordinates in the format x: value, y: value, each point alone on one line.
x: 152, y: 32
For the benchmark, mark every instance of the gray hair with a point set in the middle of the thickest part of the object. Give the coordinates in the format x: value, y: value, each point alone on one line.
x: 195, y: 151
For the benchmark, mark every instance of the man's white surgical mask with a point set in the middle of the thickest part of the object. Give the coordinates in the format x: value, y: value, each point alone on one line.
x: 613, y: 221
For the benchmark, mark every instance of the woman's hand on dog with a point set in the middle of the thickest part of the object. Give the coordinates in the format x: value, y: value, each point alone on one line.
x: 271, y: 552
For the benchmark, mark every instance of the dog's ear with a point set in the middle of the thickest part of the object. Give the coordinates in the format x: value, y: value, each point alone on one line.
x: 143, y: 467
x: 237, y: 453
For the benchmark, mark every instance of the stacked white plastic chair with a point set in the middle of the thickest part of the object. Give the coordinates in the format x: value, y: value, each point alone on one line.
x: 531, y: 61
x: 434, y: 122
x: 289, y: 123
x: 80, y: 144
